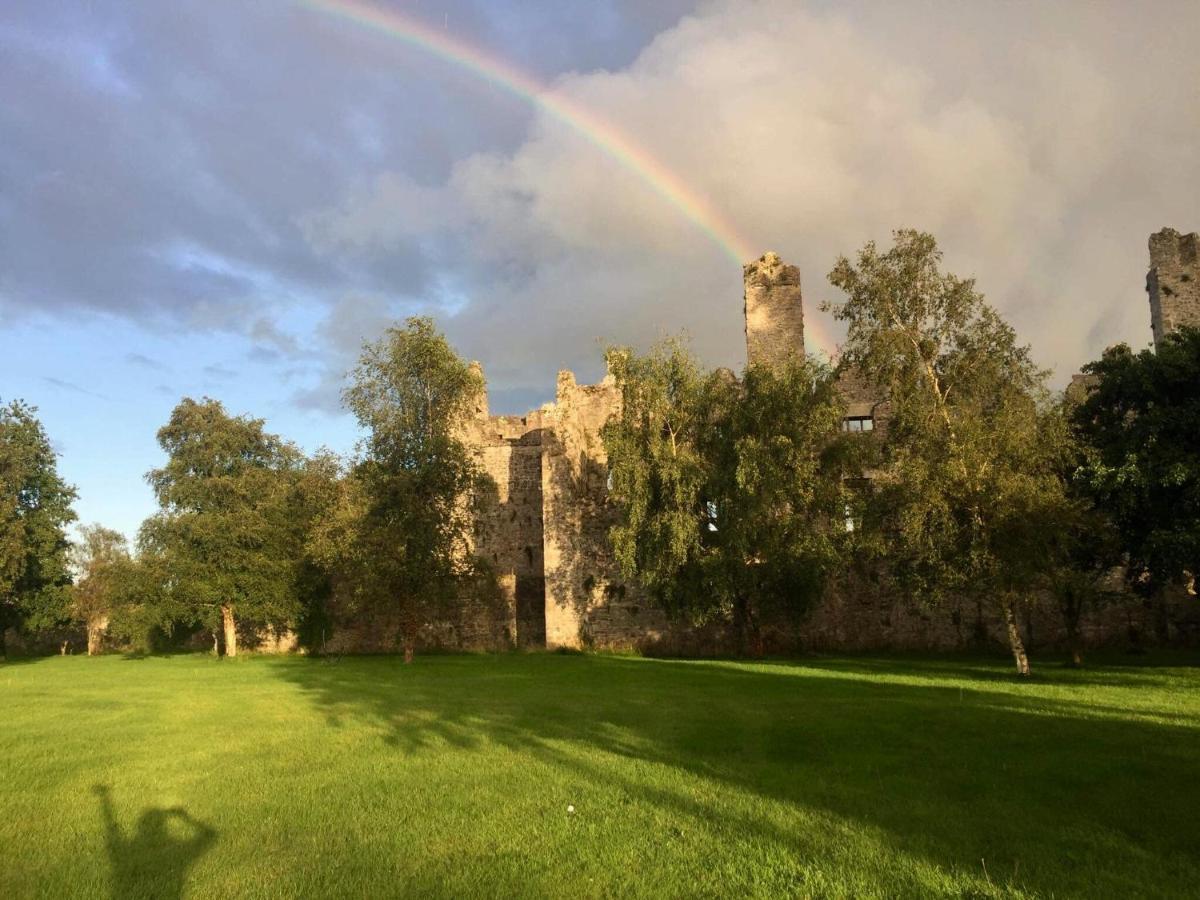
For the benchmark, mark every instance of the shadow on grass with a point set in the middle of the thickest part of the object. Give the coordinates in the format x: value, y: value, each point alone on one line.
x: 1056, y: 798
x: 153, y: 858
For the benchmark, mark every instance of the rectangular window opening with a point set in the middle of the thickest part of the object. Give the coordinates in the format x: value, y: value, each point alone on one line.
x: 858, y: 423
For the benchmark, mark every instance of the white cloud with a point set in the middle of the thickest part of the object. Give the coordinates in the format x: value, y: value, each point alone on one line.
x: 1041, y: 146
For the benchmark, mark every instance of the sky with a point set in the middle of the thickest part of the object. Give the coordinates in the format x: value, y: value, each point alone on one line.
x: 224, y: 199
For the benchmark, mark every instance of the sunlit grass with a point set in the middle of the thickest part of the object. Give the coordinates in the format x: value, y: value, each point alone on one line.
x: 453, y: 777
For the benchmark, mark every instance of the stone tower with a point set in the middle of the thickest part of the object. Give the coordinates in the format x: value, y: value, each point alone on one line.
x: 1173, y: 282
x: 774, y: 312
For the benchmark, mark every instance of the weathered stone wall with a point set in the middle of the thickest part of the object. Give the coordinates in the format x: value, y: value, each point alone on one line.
x: 774, y: 311
x: 588, y: 604
x: 471, y: 623
x: 863, y: 399
x: 508, y: 515
x: 1173, y: 282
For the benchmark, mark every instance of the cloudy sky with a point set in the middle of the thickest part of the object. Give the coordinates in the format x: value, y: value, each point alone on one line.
x: 221, y: 198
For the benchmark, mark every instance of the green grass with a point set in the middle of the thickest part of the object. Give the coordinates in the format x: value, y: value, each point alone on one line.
x: 453, y: 777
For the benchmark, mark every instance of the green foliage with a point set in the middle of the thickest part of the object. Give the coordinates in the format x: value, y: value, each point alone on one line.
x: 397, y: 531
x: 98, y: 559
x: 35, y: 508
x: 226, y: 535
x: 143, y: 612
x: 969, y: 475
x: 1140, y: 428
x: 726, y: 489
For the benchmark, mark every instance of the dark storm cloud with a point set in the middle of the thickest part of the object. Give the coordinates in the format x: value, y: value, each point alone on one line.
x: 159, y: 159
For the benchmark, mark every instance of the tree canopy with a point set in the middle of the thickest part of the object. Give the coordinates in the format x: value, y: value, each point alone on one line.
x: 225, y: 531
x: 35, y: 509
x: 1139, y: 424
x: 399, y: 532
x: 99, y: 558
x: 970, y: 462
x: 726, y: 488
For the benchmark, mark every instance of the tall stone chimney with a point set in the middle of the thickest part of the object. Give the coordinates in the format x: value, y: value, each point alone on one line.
x: 774, y: 312
x: 1173, y: 282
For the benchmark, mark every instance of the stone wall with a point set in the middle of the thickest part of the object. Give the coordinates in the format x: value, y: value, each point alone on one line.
x: 588, y: 604
x: 508, y: 515
x: 774, y: 311
x: 1173, y: 282
x: 864, y: 399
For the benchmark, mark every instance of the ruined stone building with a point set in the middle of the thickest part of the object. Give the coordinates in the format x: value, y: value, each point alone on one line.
x: 544, y: 521
x: 1173, y: 282
x: 544, y: 525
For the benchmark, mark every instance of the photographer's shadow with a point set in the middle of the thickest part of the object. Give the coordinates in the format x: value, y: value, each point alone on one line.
x: 153, y: 859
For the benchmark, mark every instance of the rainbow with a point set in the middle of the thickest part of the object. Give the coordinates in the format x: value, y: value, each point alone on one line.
x: 604, y: 136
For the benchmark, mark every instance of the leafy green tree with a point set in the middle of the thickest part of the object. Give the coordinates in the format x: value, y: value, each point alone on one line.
x: 399, y: 532
x: 968, y: 467
x: 1140, y: 428
x: 315, y: 497
x: 727, y: 490
x: 35, y: 508
x: 224, y: 535
x: 97, y: 559
x: 143, y: 610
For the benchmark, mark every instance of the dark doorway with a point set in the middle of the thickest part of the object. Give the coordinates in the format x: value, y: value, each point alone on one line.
x: 531, y: 611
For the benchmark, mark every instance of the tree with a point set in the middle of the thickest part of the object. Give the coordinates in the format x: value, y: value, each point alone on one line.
x: 143, y: 607
x: 400, y: 529
x: 1138, y: 425
x: 968, y: 464
x: 35, y: 508
x: 224, y: 534
x: 727, y: 490
x: 98, y: 560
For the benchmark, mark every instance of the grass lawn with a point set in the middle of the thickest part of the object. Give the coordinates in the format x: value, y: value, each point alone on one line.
x: 455, y: 777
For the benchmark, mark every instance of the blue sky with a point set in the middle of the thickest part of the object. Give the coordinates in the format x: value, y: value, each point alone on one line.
x: 224, y: 199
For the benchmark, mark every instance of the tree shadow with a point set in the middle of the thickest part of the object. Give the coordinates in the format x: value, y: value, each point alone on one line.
x: 153, y: 858
x: 1045, y: 789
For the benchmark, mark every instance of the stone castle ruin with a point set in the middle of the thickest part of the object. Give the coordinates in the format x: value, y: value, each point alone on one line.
x: 544, y: 522
x: 1173, y: 282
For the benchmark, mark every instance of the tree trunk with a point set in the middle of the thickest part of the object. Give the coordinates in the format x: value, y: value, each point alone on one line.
x: 1014, y: 638
x: 230, y: 628
x: 96, y: 627
x: 1072, y: 612
x: 1075, y: 642
x: 749, y: 639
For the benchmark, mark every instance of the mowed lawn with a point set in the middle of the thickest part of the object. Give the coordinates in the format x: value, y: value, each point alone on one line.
x: 456, y: 776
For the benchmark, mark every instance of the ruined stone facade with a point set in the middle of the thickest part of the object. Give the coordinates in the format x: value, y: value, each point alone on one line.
x: 543, y: 521
x: 544, y: 516
x: 1173, y: 282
